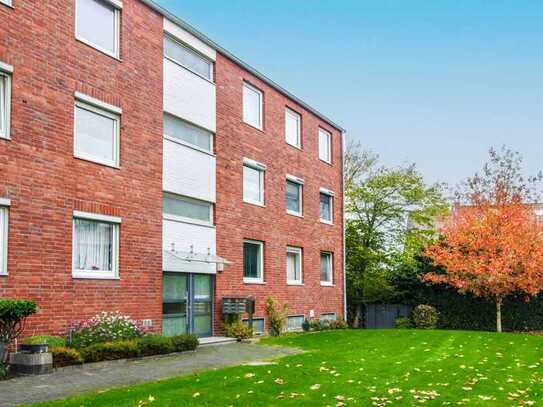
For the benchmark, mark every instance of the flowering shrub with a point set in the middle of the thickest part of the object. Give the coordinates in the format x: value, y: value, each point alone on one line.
x: 104, y: 327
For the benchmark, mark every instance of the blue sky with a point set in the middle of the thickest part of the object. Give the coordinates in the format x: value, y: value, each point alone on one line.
x: 431, y: 82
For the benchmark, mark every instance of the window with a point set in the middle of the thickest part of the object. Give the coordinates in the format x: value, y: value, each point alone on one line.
x: 253, y: 260
x: 294, y: 196
x: 294, y: 266
x: 259, y: 325
x: 96, y: 132
x: 96, y: 246
x: 325, y: 146
x: 326, y: 210
x: 329, y: 316
x: 252, y: 106
x: 5, y: 99
x: 97, y: 23
x: 188, y: 58
x: 293, y: 128
x: 3, y: 237
x: 178, y: 129
x: 295, y: 322
x: 176, y: 207
x: 253, y: 182
x: 6, y: 2
x: 326, y: 268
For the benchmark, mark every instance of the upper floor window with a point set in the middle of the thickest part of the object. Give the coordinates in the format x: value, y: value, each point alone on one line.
x: 179, y: 129
x: 293, y: 127
x: 294, y: 266
x: 97, y: 23
x: 6, y: 2
x: 253, y: 182
x: 5, y: 99
x: 96, y: 131
x: 326, y: 206
x: 252, y: 106
x: 96, y: 246
x: 253, y: 261
x: 188, y: 58
x: 294, y: 196
x: 3, y: 236
x: 178, y: 207
x: 325, y: 146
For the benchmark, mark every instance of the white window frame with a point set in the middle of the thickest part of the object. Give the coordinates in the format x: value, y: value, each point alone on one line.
x: 258, y: 280
x: 184, y: 219
x: 329, y: 136
x: 298, y: 117
x: 298, y: 251
x: 328, y: 314
x: 187, y: 143
x: 7, y: 2
x: 246, y: 322
x: 113, y: 274
x: 261, y: 107
x: 6, y: 72
x: 330, y: 194
x: 300, y: 183
x: 295, y: 329
x: 194, y: 51
x: 4, y: 232
x: 96, y: 106
x: 261, y: 168
x: 331, y: 262
x: 117, y: 5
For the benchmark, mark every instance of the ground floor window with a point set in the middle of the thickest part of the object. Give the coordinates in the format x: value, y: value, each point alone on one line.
x: 253, y: 261
x: 295, y: 322
x: 329, y: 316
x: 3, y: 240
x: 259, y: 327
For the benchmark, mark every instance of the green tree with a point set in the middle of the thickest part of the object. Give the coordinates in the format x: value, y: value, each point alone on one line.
x: 390, y: 216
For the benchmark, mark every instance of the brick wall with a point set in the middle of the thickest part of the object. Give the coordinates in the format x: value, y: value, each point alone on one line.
x: 237, y: 220
x: 46, y: 183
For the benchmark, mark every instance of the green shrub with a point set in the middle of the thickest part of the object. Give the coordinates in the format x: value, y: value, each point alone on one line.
x: 104, y: 327
x: 63, y: 356
x: 338, y: 324
x: 185, y: 342
x: 402, y: 323
x: 52, y: 341
x: 277, y: 317
x: 425, y: 317
x: 12, y: 316
x: 149, y: 345
x: 110, y: 351
x: 306, y: 325
x: 315, y: 325
x: 234, y: 328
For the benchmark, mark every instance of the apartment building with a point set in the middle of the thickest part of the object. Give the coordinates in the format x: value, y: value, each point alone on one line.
x: 145, y: 169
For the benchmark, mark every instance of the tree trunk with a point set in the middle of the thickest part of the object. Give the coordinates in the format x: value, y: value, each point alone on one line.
x: 499, y: 315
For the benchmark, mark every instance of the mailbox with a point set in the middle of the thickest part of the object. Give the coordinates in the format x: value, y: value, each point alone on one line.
x: 234, y: 306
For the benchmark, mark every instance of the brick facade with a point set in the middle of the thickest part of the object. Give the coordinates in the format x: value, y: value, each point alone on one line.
x: 237, y: 220
x: 46, y: 183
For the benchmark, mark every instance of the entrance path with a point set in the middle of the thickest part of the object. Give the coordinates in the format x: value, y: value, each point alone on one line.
x: 75, y: 380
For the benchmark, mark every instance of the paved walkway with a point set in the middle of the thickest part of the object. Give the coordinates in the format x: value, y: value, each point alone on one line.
x: 74, y: 380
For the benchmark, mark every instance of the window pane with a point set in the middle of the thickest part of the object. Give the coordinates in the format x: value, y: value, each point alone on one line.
x: 293, y: 266
x: 3, y: 255
x: 188, y: 58
x: 251, y: 260
x: 326, y: 207
x: 258, y: 325
x: 251, y: 106
x: 326, y: 267
x: 252, y: 185
x: 95, y: 135
x: 3, y: 104
x: 324, y: 145
x: 174, y: 287
x: 293, y: 197
x: 292, y: 127
x: 295, y: 323
x: 202, y: 287
x: 96, y: 23
x: 328, y: 317
x: 93, y: 245
x: 180, y: 129
x: 186, y: 207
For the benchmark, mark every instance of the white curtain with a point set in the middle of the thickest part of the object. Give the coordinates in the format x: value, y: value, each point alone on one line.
x: 93, y: 245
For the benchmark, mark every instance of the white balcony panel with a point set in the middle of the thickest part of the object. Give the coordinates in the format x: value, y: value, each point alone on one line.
x: 189, y: 96
x: 189, y: 39
x: 188, y: 172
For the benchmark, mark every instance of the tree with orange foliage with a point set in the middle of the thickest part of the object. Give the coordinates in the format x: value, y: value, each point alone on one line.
x: 492, y: 244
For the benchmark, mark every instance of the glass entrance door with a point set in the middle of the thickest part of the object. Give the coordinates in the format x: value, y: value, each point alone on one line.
x: 187, y: 303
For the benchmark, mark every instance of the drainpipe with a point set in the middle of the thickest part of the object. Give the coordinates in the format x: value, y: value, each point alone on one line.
x: 343, y: 138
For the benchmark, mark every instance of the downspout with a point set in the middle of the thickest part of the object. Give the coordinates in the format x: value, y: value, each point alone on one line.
x: 343, y: 137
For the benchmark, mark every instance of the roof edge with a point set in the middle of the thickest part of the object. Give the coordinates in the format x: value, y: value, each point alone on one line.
x: 202, y: 37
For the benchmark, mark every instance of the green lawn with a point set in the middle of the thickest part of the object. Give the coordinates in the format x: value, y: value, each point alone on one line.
x: 362, y: 367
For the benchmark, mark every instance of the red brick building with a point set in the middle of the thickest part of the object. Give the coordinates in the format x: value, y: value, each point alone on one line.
x: 145, y: 169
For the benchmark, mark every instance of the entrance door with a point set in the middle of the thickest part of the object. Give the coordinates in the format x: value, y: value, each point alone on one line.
x: 187, y: 304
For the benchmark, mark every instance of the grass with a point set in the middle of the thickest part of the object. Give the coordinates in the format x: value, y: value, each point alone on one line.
x: 362, y: 367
